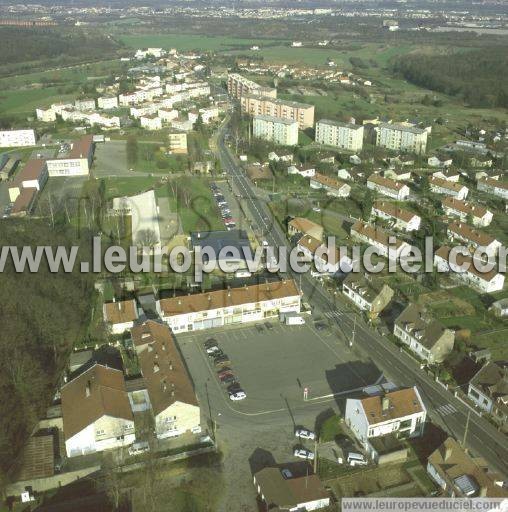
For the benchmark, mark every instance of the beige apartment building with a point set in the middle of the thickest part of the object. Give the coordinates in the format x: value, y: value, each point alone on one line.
x: 341, y: 135
x: 275, y: 129
x: 254, y: 104
x: 177, y: 142
x: 239, y: 86
x: 399, y: 137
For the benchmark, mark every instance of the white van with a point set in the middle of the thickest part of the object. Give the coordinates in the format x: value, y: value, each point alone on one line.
x: 139, y: 447
x: 356, y: 459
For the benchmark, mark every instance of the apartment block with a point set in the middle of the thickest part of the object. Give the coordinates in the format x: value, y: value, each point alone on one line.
x: 238, y: 86
x: 495, y: 187
x: 177, y: 142
x: 254, y: 104
x: 399, y: 137
x: 341, y: 135
x: 16, y: 138
x: 107, y: 102
x: 277, y: 130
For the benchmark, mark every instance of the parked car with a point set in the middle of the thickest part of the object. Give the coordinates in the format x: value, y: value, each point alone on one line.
x: 211, y: 342
x: 269, y: 326
x: 212, y: 350
x: 224, y: 370
x: 215, y: 354
x: 286, y: 473
x: 303, y: 433
x: 302, y: 453
x: 259, y: 327
x: 224, y: 376
x: 238, y: 395
x: 222, y: 363
x: 230, y: 380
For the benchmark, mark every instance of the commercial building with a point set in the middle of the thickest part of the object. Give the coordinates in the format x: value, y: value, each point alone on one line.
x: 170, y: 390
x: 388, y: 187
x: 228, y: 307
x: 341, y: 135
x: 34, y: 175
x: 368, y: 293
x: 486, y: 282
x: 332, y: 186
x: 449, y: 188
x: 387, y: 246
x: 462, y: 475
x: 177, y: 142
x: 16, y: 138
x: 96, y: 412
x: 473, y: 238
x: 401, y: 413
x: 276, y: 130
x: 480, y: 216
x: 239, y: 86
x: 425, y: 336
x: 488, y: 389
x: 263, y: 106
x: 290, y: 493
x: 76, y: 162
x: 398, y: 137
x: 400, y: 218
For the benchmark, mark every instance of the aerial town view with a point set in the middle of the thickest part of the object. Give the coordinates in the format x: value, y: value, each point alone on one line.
x: 253, y: 255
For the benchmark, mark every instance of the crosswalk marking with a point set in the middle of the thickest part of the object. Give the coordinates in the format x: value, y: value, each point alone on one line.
x: 446, y: 409
x: 333, y: 314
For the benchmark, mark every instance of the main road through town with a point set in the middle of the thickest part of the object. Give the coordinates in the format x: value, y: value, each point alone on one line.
x: 444, y: 408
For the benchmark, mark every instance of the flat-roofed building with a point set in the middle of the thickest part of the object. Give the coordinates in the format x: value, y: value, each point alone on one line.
x: 449, y: 188
x: 388, y: 187
x: 480, y: 215
x: 170, y: 390
x: 254, y: 104
x: 341, y: 135
x: 425, y: 336
x: 46, y: 115
x: 399, y: 137
x: 17, y: 138
x: 177, y: 142
x: 276, y: 130
x: 227, y: 307
x: 400, y: 217
x: 76, y: 162
x: 238, y: 86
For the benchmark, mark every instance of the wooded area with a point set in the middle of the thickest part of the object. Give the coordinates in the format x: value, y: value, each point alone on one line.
x: 475, y: 76
x: 42, y: 314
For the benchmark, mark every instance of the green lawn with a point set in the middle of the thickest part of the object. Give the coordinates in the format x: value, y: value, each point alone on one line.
x: 117, y: 187
x: 26, y: 101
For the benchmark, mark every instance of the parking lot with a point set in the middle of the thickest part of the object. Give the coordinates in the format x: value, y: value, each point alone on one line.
x: 275, y: 364
x: 111, y: 159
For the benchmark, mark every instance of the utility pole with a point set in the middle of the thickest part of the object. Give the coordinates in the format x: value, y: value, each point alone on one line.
x: 316, y: 443
x: 354, y: 330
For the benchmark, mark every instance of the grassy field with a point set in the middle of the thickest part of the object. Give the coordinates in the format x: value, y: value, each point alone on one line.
x: 26, y: 101
x: 187, y: 42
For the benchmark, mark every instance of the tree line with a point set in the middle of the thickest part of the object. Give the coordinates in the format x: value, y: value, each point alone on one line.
x: 474, y: 76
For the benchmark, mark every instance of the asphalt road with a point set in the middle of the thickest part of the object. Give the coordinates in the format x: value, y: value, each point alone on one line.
x: 444, y: 409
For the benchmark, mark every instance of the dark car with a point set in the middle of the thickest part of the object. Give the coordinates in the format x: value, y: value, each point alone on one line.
x: 234, y: 388
x: 224, y: 370
x: 269, y: 326
x: 320, y: 326
x: 259, y: 327
x: 225, y: 376
x: 231, y: 380
x: 210, y: 342
x: 216, y: 354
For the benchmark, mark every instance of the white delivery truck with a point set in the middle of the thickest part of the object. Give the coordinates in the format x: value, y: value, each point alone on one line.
x: 291, y: 318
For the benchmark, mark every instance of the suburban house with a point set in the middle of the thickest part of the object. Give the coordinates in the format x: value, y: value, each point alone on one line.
x: 387, y: 245
x: 495, y: 187
x: 120, y: 315
x: 400, y: 412
x: 486, y: 282
x: 398, y: 174
x: 480, y: 215
x: 231, y: 306
x: 462, y: 475
x: 350, y: 174
x: 306, y: 171
x: 473, y: 238
x: 435, y: 161
x: 449, y: 188
x: 290, y: 493
x: 327, y: 260
x: 447, y: 174
x: 332, y: 186
x: 368, y: 293
x: 170, y: 390
x: 305, y: 227
x: 96, y: 412
x: 388, y: 187
x: 488, y: 389
x: 423, y: 335
x: 400, y: 218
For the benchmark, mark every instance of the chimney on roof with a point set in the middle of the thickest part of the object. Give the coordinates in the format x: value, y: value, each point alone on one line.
x: 385, y: 404
x: 88, y: 388
x: 155, y: 367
